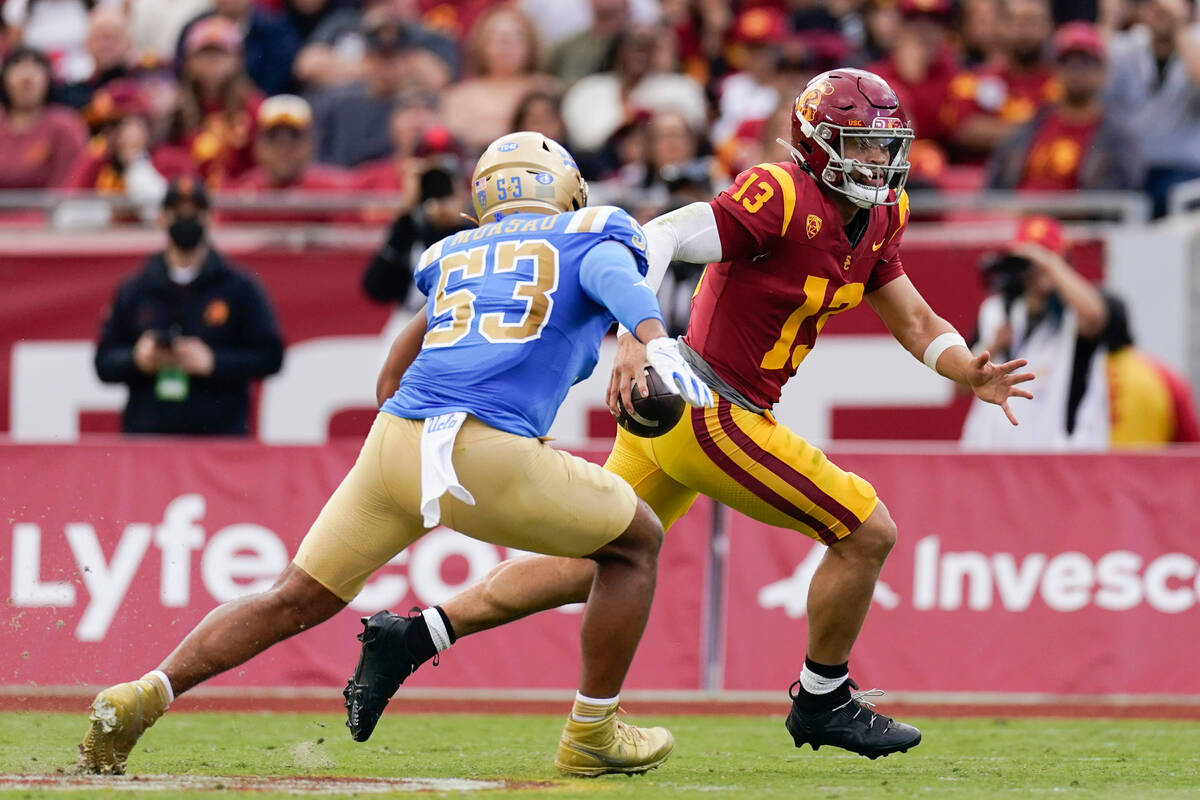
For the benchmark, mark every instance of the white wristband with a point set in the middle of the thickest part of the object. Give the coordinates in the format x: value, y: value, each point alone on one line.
x: 941, y: 344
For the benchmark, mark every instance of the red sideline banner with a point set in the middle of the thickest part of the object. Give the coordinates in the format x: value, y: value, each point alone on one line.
x: 1070, y: 574
x: 1064, y: 574
x: 112, y: 551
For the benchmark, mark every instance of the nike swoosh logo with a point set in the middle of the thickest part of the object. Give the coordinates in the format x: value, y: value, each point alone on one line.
x: 877, y: 245
x: 642, y: 282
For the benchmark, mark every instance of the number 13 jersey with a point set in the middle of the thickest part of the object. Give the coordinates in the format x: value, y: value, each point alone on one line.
x: 788, y: 268
x: 509, y: 326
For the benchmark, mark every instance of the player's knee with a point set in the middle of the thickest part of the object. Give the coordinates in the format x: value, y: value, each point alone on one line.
x: 876, y: 537
x: 649, y: 530
x: 640, y: 542
x: 299, y: 601
x: 881, y: 532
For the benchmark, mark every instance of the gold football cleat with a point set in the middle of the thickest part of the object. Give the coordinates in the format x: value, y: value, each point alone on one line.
x: 120, y: 714
x: 609, y: 746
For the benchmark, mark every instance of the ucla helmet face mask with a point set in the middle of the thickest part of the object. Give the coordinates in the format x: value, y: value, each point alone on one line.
x: 526, y: 172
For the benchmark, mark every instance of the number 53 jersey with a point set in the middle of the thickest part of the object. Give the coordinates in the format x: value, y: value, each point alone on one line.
x: 789, y: 266
x: 509, y: 327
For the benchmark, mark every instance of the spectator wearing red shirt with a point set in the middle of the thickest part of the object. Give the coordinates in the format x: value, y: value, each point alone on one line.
x: 214, y: 121
x: 39, y: 142
x: 117, y: 160
x: 987, y: 103
x: 921, y: 63
x: 1072, y: 144
x: 283, y: 152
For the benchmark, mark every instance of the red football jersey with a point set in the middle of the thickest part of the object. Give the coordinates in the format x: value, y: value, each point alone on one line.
x: 789, y: 267
x: 1056, y: 154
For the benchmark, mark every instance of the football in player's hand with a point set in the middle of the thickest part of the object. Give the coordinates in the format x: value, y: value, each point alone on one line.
x: 654, y: 414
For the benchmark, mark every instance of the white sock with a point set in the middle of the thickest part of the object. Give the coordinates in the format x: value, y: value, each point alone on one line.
x: 583, y: 699
x: 437, y: 628
x: 819, y: 684
x: 166, y: 682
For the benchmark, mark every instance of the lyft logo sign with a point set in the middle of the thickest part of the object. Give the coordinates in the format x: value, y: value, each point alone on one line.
x: 236, y: 560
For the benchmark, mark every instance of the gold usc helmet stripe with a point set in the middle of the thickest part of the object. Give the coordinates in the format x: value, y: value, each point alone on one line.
x: 526, y: 172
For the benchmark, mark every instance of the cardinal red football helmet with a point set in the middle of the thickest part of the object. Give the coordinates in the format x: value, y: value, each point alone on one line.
x: 850, y: 132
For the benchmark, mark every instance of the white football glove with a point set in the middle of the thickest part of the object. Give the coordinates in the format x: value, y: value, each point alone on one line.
x: 664, y: 356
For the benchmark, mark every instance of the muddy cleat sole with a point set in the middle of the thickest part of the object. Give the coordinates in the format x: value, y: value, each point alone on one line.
x: 852, y: 726
x: 383, y: 664
x: 120, y: 715
x: 609, y: 746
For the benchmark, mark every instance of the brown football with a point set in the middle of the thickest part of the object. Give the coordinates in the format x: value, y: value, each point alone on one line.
x: 654, y: 414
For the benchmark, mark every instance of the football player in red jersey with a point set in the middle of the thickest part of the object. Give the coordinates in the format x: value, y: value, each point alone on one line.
x: 788, y: 246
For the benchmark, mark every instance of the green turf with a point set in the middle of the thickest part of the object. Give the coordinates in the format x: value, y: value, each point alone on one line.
x: 716, y: 756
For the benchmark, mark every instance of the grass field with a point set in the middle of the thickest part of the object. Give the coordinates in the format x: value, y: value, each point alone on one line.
x: 716, y: 757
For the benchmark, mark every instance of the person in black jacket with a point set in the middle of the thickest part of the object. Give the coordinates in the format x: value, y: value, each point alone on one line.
x: 189, y: 332
x: 389, y: 275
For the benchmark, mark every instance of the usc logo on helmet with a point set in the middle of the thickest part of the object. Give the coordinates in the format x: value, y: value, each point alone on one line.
x: 806, y: 105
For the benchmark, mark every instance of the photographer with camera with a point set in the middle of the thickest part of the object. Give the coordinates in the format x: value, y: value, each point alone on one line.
x: 433, y: 206
x: 189, y: 332
x: 1042, y: 310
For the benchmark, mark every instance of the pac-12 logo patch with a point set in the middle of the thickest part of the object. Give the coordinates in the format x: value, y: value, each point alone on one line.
x: 887, y: 122
x: 544, y: 178
x: 507, y: 146
x: 812, y: 225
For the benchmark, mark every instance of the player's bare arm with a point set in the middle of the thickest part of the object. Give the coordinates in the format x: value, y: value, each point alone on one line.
x: 916, y: 326
x: 401, y: 355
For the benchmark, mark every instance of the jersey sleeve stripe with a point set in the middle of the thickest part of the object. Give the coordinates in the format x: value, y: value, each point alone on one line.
x: 431, y: 254
x: 788, y: 187
x: 576, y: 220
x: 597, y: 223
x: 902, y: 207
x: 581, y: 221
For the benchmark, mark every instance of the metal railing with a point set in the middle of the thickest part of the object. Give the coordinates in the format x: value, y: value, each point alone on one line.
x: 68, y: 210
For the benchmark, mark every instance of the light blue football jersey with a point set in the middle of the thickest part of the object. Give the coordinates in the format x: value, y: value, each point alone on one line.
x: 509, y: 327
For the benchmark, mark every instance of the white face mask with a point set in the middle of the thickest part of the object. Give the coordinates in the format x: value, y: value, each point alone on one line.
x: 183, y: 275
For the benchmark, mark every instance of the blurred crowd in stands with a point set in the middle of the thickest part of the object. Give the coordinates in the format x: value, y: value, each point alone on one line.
x: 661, y: 100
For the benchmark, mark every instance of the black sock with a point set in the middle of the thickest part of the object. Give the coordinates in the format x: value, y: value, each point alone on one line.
x: 809, y: 702
x: 418, y: 640
x: 446, y: 622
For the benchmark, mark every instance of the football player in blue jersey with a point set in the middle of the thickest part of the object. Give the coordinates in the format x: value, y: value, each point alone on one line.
x: 517, y: 308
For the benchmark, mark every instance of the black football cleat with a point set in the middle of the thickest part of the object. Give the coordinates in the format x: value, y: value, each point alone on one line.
x: 852, y: 726
x: 383, y: 664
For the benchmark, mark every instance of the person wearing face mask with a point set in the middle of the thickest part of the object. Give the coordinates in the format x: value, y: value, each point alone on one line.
x: 189, y: 333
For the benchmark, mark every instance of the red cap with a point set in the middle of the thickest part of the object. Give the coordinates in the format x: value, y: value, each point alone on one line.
x: 213, y: 31
x: 1041, y: 230
x: 1079, y: 37
x: 760, y: 26
x: 115, y: 101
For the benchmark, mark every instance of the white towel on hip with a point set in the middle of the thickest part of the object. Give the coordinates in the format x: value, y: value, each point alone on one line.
x: 437, y: 466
